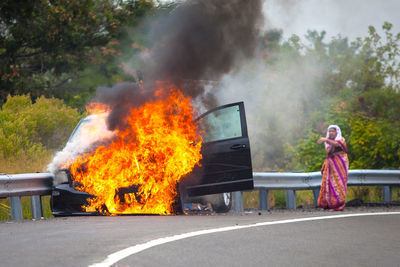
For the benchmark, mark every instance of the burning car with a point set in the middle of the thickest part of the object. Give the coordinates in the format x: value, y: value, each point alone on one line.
x: 223, y: 166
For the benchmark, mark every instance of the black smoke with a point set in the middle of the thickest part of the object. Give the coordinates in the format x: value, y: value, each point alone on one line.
x: 200, y: 40
x: 121, y: 98
x: 203, y: 40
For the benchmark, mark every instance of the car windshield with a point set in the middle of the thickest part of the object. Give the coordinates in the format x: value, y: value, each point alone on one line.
x: 93, y: 128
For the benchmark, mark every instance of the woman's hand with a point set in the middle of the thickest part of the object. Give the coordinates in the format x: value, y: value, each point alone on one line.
x: 321, y: 140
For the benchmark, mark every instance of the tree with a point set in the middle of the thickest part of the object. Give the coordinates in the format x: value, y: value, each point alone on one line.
x: 46, y: 46
x: 361, y: 94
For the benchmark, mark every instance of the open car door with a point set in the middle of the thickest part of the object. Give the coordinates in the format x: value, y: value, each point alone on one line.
x: 226, y: 164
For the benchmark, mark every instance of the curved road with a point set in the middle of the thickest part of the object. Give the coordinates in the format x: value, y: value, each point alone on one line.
x: 278, y: 238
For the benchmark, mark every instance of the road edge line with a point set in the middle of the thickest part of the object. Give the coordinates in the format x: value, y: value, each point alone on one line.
x: 124, y: 253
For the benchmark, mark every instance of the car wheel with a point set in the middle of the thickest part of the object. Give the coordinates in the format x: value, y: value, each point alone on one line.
x: 222, y: 202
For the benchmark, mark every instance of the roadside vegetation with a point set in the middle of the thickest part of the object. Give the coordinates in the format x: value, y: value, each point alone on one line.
x: 357, y: 87
x: 49, y: 73
x: 30, y: 133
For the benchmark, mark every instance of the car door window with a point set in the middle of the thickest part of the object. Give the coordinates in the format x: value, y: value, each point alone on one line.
x: 226, y: 163
x: 222, y: 124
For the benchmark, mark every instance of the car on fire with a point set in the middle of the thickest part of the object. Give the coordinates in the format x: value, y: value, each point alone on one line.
x: 225, y: 167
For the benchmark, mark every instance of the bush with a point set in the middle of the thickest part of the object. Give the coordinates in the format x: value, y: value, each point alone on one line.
x: 30, y: 132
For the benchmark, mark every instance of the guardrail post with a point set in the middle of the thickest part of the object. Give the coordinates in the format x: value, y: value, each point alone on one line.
x: 387, y: 193
x: 16, y: 208
x: 316, y: 195
x: 237, y: 201
x: 291, y: 199
x: 36, y: 205
x: 263, y: 198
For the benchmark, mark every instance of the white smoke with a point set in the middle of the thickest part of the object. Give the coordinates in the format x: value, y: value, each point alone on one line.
x: 277, y: 99
x: 90, y: 130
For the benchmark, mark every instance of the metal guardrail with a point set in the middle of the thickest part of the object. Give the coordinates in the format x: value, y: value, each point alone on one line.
x: 311, y: 180
x: 292, y: 181
x: 39, y: 184
x: 27, y: 184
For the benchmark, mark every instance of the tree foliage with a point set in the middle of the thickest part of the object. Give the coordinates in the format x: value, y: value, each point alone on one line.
x: 50, y: 47
x: 360, y: 92
x: 66, y: 49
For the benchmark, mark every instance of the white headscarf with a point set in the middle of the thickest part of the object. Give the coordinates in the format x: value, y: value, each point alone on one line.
x: 338, y: 135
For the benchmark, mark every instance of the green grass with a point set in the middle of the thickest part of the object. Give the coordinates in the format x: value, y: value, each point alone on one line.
x: 5, y: 209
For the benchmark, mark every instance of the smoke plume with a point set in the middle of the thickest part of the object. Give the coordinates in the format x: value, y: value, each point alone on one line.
x: 204, y: 39
x: 120, y: 99
x: 193, y: 46
x: 275, y: 99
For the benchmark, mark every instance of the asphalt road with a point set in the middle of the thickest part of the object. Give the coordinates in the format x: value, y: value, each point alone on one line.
x: 83, y: 241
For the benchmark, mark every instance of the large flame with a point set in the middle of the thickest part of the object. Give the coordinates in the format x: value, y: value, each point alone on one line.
x: 139, y: 170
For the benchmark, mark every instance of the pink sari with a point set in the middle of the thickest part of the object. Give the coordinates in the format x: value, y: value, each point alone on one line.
x: 334, y: 177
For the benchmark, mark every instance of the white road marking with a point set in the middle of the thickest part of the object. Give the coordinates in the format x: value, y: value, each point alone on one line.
x: 119, y: 255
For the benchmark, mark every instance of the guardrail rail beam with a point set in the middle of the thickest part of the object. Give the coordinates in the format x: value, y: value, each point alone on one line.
x: 34, y: 185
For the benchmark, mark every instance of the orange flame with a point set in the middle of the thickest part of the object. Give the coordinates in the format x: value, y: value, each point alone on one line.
x: 160, y: 145
x: 97, y: 108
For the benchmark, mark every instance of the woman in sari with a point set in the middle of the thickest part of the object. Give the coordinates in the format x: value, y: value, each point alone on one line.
x: 334, y: 170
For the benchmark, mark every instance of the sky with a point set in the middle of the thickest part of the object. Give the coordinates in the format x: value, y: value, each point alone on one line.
x: 349, y: 18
